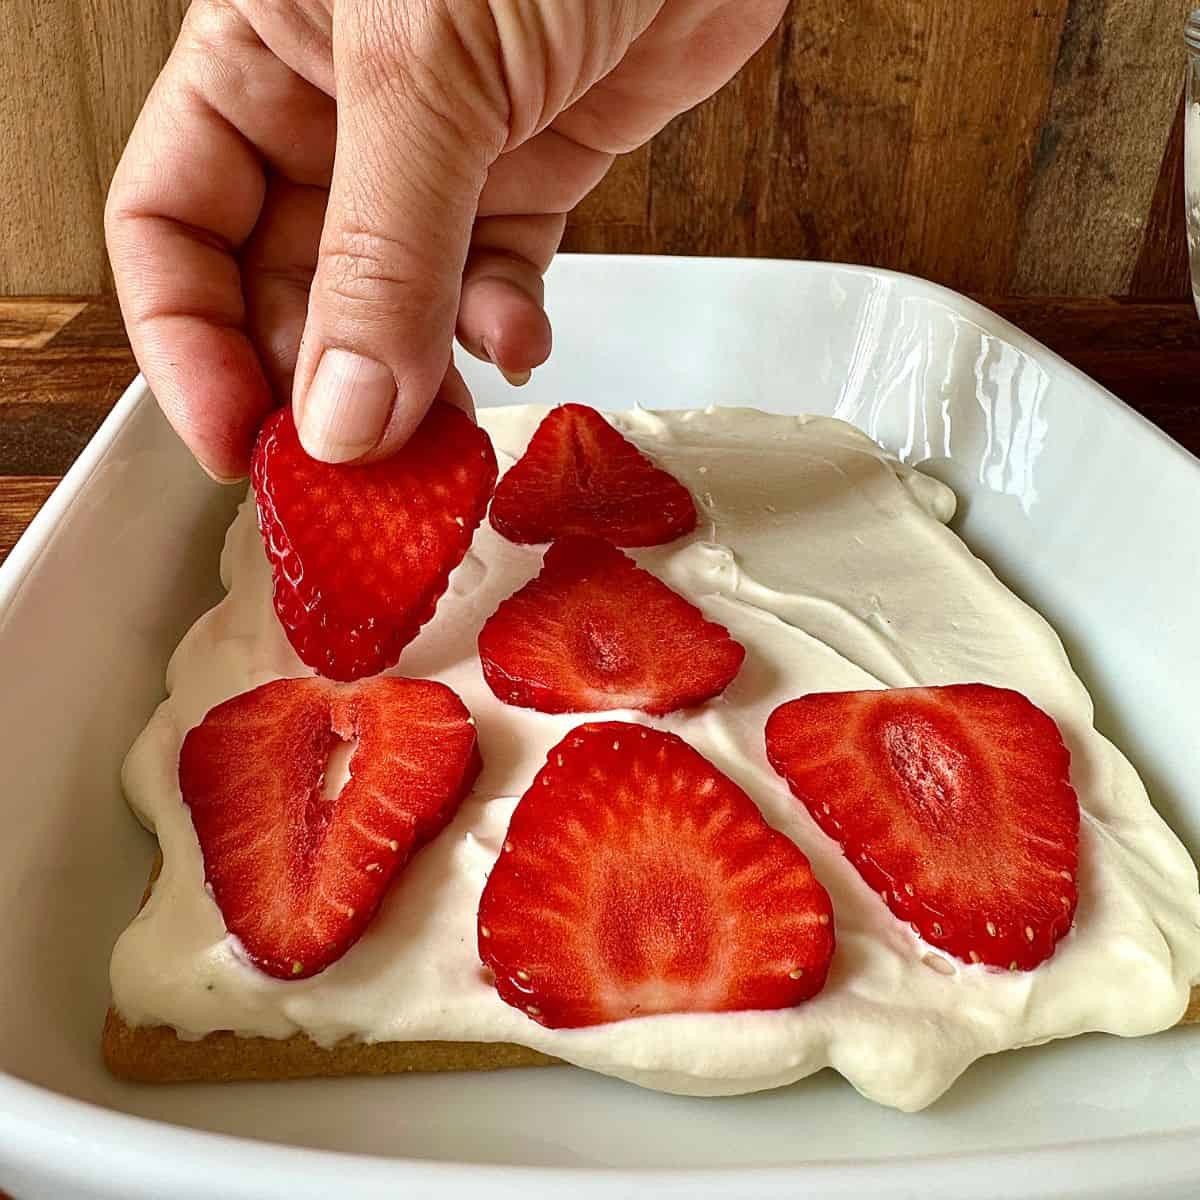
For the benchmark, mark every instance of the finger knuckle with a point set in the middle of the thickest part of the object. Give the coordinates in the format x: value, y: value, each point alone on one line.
x: 435, y: 59
x: 365, y: 268
x: 213, y: 44
x: 296, y: 29
x: 214, y: 24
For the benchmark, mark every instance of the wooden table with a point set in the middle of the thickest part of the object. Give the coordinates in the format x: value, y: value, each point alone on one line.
x: 64, y: 363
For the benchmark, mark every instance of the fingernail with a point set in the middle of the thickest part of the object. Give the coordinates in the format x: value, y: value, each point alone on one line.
x: 347, y: 406
x: 224, y: 480
x: 515, y: 378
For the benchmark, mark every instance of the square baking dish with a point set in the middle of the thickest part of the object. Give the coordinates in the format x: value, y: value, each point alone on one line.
x: 1085, y: 509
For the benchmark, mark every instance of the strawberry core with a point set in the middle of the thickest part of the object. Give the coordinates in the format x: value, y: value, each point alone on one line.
x: 653, y: 927
x: 932, y: 770
x: 602, y: 649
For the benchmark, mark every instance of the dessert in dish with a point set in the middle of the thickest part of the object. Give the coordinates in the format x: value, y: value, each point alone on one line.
x: 830, y: 567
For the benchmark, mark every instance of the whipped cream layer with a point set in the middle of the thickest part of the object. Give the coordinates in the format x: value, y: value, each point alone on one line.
x: 832, y: 564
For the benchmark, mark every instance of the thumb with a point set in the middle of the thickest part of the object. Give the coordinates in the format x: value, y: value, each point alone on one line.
x: 419, y: 123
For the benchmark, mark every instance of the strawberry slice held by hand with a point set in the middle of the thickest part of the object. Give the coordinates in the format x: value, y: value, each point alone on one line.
x: 636, y: 879
x: 296, y: 866
x: 594, y: 631
x: 361, y: 554
x: 579, y: 475
x: 954, y: 804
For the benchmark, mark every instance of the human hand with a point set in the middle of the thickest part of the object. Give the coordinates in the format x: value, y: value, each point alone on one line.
x: 319, y: 193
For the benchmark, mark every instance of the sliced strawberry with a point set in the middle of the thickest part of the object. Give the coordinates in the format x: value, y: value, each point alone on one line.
x: 952, y: 802
x: 579, y: 475
x: 362, y: 554
x: 298, y: 873
x: 637, y: 879
x: 593, y: 631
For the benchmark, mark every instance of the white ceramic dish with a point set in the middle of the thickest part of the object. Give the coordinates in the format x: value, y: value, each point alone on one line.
x: 1087, y: 510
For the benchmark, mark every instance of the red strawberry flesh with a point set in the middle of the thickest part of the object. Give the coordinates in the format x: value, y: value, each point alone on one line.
x: 579, y: 475
x: 954, y: 804
x: 594, y: 632
x: 361, y: 554
x: 636, y: 879
x: 296, y: 873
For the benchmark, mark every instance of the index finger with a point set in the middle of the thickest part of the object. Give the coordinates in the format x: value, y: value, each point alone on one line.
x: 185, y: 196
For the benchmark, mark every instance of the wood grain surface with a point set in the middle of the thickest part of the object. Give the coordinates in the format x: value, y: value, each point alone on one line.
x: 64, y: 363
x: 1009, y: 147
x: 1162, y: 265
x: 1098, y: 153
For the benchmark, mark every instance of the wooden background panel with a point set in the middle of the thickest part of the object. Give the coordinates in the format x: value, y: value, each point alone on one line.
x: 1162, y: 264
x: 75, y: 74
x: 1115, y: 88
x: 974, y: 126
x: 122, y: 46
x: 50, y: 199
x: 1002, y: 146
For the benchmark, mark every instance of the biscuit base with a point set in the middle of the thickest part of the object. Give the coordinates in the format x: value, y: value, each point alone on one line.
x: 157, y: 1054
